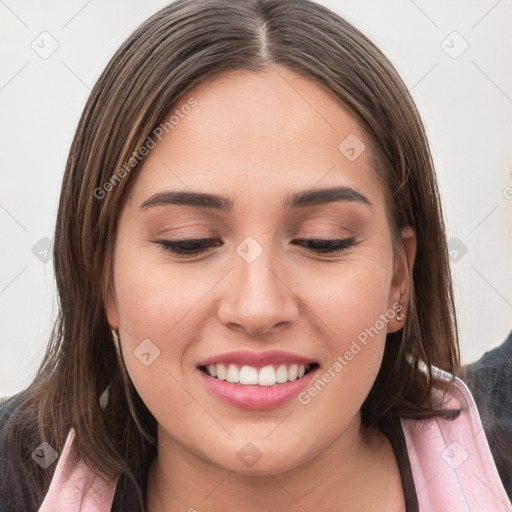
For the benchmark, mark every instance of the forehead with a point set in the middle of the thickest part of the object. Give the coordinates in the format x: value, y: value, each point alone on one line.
x: 245, y: 109
x: 254, y: 135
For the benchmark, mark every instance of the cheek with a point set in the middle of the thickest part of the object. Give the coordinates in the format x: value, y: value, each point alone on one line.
x: 352, y: 299
x: 155, y: 298
x: 163, y: 309
x: 354, y: 313
x: 157, y: 309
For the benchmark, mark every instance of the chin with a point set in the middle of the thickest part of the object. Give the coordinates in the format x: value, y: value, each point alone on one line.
x: 264, y: 457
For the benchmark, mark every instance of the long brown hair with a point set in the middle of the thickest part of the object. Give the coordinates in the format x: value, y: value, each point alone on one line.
x: 173, y: 50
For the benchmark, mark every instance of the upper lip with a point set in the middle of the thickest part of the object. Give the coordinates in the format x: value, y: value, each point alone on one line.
x: 256, y: 359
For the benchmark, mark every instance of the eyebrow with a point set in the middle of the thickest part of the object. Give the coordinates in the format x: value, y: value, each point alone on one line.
x: 301, y: 199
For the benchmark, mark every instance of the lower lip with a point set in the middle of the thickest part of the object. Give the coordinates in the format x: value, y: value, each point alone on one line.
x: 256, y: 397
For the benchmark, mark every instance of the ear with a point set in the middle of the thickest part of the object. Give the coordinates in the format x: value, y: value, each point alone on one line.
x: 402, y: 275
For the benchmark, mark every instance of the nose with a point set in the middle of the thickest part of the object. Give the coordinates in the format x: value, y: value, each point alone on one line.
x: 257, y: 299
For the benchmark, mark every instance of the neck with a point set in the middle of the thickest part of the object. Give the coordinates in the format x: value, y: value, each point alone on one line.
x: 349, y: 471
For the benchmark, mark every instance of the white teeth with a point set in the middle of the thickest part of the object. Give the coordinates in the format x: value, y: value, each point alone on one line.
x: 221, y: 372
x: 292, y: 372
x: 267, y: 376
x: 233, y: 374
x: 282, y: 374
x: 250, y: 376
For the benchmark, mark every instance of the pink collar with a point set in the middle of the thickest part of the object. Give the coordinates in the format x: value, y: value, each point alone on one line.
x: 68, y: 489
x: 451, y: 462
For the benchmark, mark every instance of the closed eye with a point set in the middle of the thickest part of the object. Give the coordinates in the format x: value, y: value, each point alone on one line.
x: 327, y: 246
x: 188, y: 247
x: 193, y: 247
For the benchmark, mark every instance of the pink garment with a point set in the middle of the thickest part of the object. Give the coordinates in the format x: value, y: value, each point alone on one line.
x: 451, y: 463
x: 68, y: 485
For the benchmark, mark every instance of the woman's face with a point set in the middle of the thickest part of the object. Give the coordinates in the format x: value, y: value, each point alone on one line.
x: 259, y: 304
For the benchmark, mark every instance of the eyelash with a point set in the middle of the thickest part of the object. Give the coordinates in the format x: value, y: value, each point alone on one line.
x: 323, y: 246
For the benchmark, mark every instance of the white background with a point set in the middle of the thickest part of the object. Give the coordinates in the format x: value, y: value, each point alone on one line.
x: 466, y: 103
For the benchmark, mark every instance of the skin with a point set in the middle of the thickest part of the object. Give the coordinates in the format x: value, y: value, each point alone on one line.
x: 256, y: 137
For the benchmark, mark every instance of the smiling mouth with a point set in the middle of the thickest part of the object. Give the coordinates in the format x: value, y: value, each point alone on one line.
x: 269, y: 375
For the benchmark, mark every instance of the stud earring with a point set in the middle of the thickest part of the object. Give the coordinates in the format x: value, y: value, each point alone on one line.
x: 399, y: 315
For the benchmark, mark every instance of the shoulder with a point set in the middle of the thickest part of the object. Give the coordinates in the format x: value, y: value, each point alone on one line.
x: 499, y: 355
x: 490, y: 379
x: 21, y: 481
x: 490, y: 382
x: 453, y: 454
x: 7, y: 409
